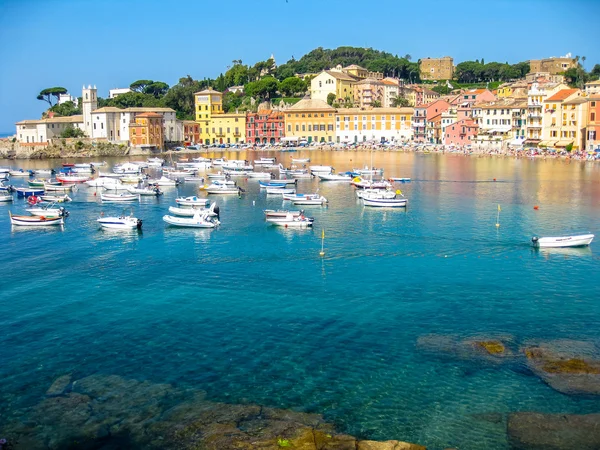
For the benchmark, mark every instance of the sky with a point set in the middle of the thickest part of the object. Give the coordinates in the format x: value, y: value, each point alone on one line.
x: 111, y: 43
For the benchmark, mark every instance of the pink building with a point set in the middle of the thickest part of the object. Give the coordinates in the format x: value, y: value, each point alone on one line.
x: 424, y: 114
x: 477, y: 96
x: 461, y: 133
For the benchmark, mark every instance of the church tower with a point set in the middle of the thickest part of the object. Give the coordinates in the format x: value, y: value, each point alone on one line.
x: 89, y: 97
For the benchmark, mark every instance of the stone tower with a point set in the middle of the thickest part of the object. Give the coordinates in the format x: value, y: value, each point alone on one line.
x: 89, y: 97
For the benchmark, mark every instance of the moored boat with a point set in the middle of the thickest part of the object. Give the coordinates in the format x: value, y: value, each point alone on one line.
x: 280, y: 213
x: 321, y: 169
x: 56, y: 198
x: 291, y: 221
x: 118, y: 198
x: 34, y: 221
x: 280, y: 190
x: 19, y: 173
x: 192, y: 201
x: 344, y: 177
x: 146, y: 191
x: 26, y: 192
x: 5, y: 197
x: 120, y: 223
x: 191, y: 212
x: 580, y: 240
x: 197, y: 221
x: 70, y: 179
x: 48, y: 211
x: 224, y: 189
x: 59, y: 188
x: 310, y: 200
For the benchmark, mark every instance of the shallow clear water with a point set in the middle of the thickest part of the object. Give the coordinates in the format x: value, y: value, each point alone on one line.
x: 251, y: 313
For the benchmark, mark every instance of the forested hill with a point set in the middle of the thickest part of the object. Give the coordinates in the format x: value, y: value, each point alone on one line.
x: 374, y: 60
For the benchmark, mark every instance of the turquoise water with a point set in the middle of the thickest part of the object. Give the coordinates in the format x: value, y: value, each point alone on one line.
x: 251, y: 313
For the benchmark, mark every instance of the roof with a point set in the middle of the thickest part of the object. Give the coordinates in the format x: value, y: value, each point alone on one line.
x: 354, y: 66
x: 576, y: 101
x: 311, y: 104
x: 561, y: 95
x: 208, y: 91
x: 67, y: 119
x: 593, y: 83
x: 150, y: 115
x: 370, y: 81
x: 401, y: 110
x: 340, y: 75
x: 107, y: 109
x: 142, y: 109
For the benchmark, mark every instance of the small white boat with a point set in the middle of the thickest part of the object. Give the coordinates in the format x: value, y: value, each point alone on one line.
x: 382, y: 193
x: 191, y: 212
x: 236, y: 173
x: 360, y: 182
x: 260, y: 175
x: 400, y: 179
x: 43, y: 172
x: 163, y: 181
x: 102, y: 182
x: 321, y: 169
x: 280, y: 213
x: 109, y: 175
x: 216, y: 176
x: 127, y: 169
x: 367, y: 171
x: 291, y: 221
x: 98, y: 163
x: 56, y: 198
x: 280, y: 191
x: 131, y: 179
x: 219, y: 161
x: 313, y: 200
x: 300, y: 173
x: 155, y: 162
x: 300, y: 160
x: 70, y: 179
x: 377, y: 200
x: 192, y: 201
x: 346, y: 178
x: 35, y: 221
x: 48, y: 211
x: 264, y: 161
x: 197, y: 221
x: 193, y: 180
x: 60, y: 188
x: 19, y: 173
x: 118, y: 198
x: 5, y: 197
x: 223, y: 189
x: 563, y: 241
x: 120, y: 223
x: 82, y: 170
x: 146, y: 191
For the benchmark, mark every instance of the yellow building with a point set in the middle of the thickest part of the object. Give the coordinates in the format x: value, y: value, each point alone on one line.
x: 333, y: 82
x: 216, y: 127
x: 437, y: 68
x: 356, y: 125
x: 565, y: 119
x: 147, y: 130
x: 310, y: 120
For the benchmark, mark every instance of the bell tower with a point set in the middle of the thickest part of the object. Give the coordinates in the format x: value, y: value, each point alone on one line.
x: 89, y: 97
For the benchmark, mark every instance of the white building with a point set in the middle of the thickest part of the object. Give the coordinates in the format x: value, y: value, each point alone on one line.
x: 448, y: 118
x: 63, y: 98
x: 332, y: 82
x: 356, y: 125
x: 502, y: 123
x: 537, y: 93
x: 112, y: 93
x: 41, y: 131
x: 592, y: 87
x: 391, y: 90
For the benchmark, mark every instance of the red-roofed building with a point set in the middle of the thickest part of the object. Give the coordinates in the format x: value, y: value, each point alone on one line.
x: 564, y: 120
x: 423, y: 114
x: 461, y: 133
x: 265, y: 127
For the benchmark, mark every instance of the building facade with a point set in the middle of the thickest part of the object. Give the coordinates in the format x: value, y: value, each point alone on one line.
x: 502, y: 123
x: 147, y: 131
x: 537, y: 93
x: 216, y: 127
x: 424, y: 114
x: 461, y: 133
x: 437, y: 68
x: 310, y: 120
x: 191, y: 132
x: 369, y: 92
x: 565, y: 120
x: 553, y: 65
x: 374, y: 125
x: 593, y: 126
x: 333, y: 82
x: 41, y: 131
x: 265, y: 127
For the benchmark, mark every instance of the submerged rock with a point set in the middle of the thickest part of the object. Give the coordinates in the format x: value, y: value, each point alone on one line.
x: 110, y: 412
x: 572, y: 374
x: 484, y: 349
x: 534, y: 431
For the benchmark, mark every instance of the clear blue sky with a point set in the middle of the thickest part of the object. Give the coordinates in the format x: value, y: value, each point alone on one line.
x: 111, y: 43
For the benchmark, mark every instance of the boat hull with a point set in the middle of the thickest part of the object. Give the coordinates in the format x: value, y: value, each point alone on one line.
x: 563, y: 241
x: 120, y: 223
x: 33, y: 221
x: 189, y: 223
x: 385, y: 202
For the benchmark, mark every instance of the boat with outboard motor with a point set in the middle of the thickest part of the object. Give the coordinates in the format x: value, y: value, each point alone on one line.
x: 120, y: 223
x: 119, y: 198
x: 224, y: 189
x: 35, y: 221
x: 145, y: 191
x: 291, y: 221
x: 580, y: 240
x: 345, y: 177
x: 382, y: 199
x: 56, y: 198
x: 49, y: 211
x: 213, y: 210
x: 192, y: 201
x: 199, y: 220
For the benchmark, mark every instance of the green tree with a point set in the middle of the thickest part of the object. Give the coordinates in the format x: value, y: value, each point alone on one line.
x: 50, y: 94
x: 65, y: 109
x: 181, y: 96
x: 441, y: 89
x: 140, y: 85
x: 469, y: 72
x: 232, y: 101
x: 262, y: 89
x: 156, y: 88
x: 595, y: 72
x: 291, y: 86
x: 330, y: 98
x: 237, y: 75
x: 400, y: 101
x: 376, y: 104
x: 71, y: 132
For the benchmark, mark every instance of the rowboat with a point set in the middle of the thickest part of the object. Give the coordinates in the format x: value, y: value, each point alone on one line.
x: 382, y: 193
x: 36, y: 182
x: 56, y: 198
x: 5, y: 197
x: 191, y: 212
x: 146, y: 191
x: 60, y: 188
x: 26, y: 192
x: 35, y: 221
x: 300, y: 160
x: 120, y: 223
x: 290, y: 221
x: 19, y: 173
x: 72, y: 178
x: 373, y: 199
x: 192, y: 201
x: 263, y: 175
x: 563, y: 241
x: 118, y: 198
x: 198, y: 221
x: 321, y: 169
x: 273, y: 183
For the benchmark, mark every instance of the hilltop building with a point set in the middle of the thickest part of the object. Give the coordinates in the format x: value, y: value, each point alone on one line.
x: 437, y: 68
x: 553, y: 65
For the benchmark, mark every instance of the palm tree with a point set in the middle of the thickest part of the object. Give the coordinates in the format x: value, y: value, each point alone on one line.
x: 376, y: 104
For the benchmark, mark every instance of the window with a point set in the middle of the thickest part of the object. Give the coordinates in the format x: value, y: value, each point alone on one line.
x: 102, y: 126
x: 593, y: 116
x: 289, y: 128
x: 94, y: 126
x: 303, y: 128
x: 297, y: 128
x: 309, y: 128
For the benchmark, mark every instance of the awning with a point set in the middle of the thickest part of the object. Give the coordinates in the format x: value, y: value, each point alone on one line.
x: 563, y: 143
x: 290, y: 139
x: 546, y: 143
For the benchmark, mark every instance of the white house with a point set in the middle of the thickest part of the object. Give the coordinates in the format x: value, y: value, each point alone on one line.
x: 63, y: 98
x: 40, y: 131
x: 112, y: 93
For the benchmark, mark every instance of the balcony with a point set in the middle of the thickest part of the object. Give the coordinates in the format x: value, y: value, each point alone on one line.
x: 535, y: 115
x: 220, y: 134
x: 237, y: 134
x: 534, y: 125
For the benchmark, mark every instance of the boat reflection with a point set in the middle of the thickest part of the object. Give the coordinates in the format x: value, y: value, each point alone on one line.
x: 575, y: 252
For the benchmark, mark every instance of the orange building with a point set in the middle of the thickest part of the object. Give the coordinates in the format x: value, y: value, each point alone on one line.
x: 147, y: 130
x: 191, y: 132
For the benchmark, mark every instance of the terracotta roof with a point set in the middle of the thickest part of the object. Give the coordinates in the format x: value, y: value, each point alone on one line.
x: 311, y: 104
x: 150, y: 115
x: 340, y: 75
x: 208, y: 91
x: 354, y: 66
x: 350, y: 111
x: 561, y: 95
x: 67, y: 119
x: 148, y: 109
x: 576, y: 101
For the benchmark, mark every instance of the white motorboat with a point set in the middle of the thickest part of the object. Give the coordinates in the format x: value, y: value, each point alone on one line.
x: 300, y: 160
x: 191, y: 212
x: 155, y: 162
x: 280, y: 213
x: 163, y: 181
x: 5, y: 197
x: 223, y: 189
x: 98, y: 163
x: 237, y: 164
x: 216, y: 176
x: 56, y: 198
x: 82, y: 170
x: 102, y: 181
x: 344, y: 177
x: 368, y: 171
x: 132, y: 179
x: 193, y: 180
x: 120, y: 223
x: 127, y: 169
x: 201, y: 159
x: 563, y: 241
x: 360, y: 182
x: 236, y: 173
x: 197, y: 221
x: 219, y: 161
x: 378, y: 199
x: 118, y: 198
x: 43, y: 172
x: 19, y: 173
x: 382, y: 193
x: 321, y: 169
x: 35, y: 221
x: 109, y: 175
x: 291, y: 221
x: 280, y: 190
x: 146, y: 191
x: 292, y: 197
x: 48, y: 211
x: 260, y: 175
x: 82, y: 166
x: 116, y: 186
x: 300, y: 173
x: 192, y: 201
x: 264, y: 161
x: 71, y: 179
x: 313, y: 200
